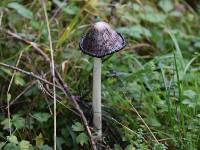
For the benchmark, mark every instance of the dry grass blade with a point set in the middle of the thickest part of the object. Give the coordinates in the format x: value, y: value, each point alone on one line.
x: 52, y: 70
x: 135, y: 110
x: 9, y: 95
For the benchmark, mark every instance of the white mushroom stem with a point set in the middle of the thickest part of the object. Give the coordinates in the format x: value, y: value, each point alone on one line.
x: 96, y: 96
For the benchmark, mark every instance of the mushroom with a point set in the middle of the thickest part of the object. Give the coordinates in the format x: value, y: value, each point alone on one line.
x: 101, y: 40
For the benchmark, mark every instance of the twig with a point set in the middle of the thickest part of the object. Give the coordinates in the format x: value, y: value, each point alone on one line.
x: 47, y: 91
x: 35, y: 76
x: 135, y: 110
x: 34, y: 45
x: 31, y: 74
x: 24, y: 91
x: 65, y: 88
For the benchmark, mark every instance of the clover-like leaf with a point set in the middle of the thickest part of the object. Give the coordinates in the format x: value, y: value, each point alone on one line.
x: 82, y: 139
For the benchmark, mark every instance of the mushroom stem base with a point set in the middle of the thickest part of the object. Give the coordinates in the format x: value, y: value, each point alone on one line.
x: 96, y: 97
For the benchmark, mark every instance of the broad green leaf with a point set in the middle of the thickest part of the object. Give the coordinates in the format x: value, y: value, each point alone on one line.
x: 18, y: 122
x: 23, y: 11
x: 11, y: 146
x: 59, y: 143
x: 82, y: 139
x: 166, y: 5
x: 77, y: 127
x: 154, y: 121
x: 187, y: 101
x: 190, y: 94
x: 135, y: 31
x: 35, y: 24
x: 197, y: 44
x: 129, y: 147
x: 24, y: 145
x: 45, y: 147
x: 136, y: 7
x: 117, y: 147
x: 41, y: 117
x: 12, y: 139
x: 153, y: 17
x: 70, y: 9
x: 59, y: 3
x: 5, y: 124
x: 19, y: 80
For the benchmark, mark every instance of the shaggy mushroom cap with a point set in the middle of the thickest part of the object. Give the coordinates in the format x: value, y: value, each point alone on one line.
x: 101, y: 40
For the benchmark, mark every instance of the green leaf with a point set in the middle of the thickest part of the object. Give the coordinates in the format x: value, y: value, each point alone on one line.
x: 153, y: 17
x: 39, y: 140
x: 8, y: 97
x: 153, y: 121
x: 166, y: 5
x: 11, y: 146
x: 70, y: 9
x: 197, y: 44
x: 187, y: 101
x: 117, y: 147
x: 129, y: 147
x: 7, y: 71
x: 19, y: 80
x: 59, y: 143
x: 136, y: 7
x: 18, y: 121
x: 5, y: 124
x: 23, y: 11
x: 12, y: 139
x: 59, y: 3
x: 78, y: 127
x: 190, y: 94
x: 41, y: 117
x: 45, y: 147
x: 135, y: 31
x: 82, y: 139
x: 24, y: 145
